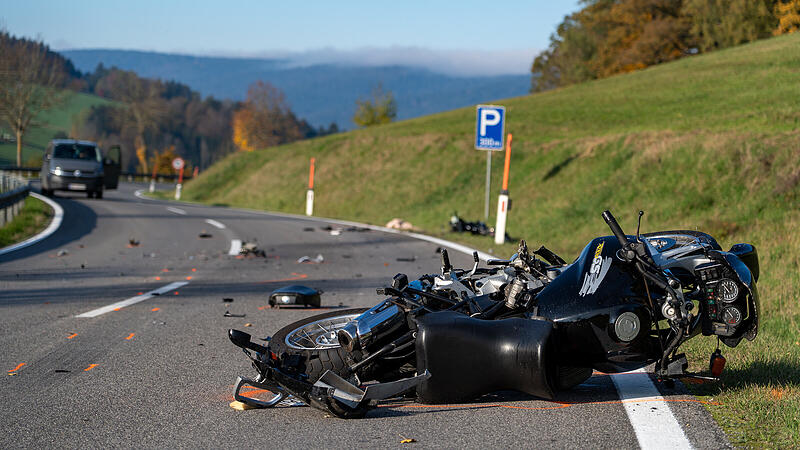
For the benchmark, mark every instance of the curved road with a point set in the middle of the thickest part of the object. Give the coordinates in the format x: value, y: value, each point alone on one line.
x: 157, y: 370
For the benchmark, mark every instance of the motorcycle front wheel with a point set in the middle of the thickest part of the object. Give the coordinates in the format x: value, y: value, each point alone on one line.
x: 314, y: 340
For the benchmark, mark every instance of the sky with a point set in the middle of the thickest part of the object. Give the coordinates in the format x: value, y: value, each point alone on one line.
x: 461, y: 36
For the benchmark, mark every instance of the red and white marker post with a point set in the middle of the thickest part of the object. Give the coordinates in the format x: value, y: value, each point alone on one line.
x: 310, y: 192
x: 502, y: 201
x: 178, y: 164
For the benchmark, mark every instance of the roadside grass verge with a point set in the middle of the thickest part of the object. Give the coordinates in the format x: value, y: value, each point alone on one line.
x: 709, y: 143
x: 33, y: 218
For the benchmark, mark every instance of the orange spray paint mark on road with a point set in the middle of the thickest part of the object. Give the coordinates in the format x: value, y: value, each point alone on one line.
x: 155, y: 309
x: 176, y: 292
x: 130, y: 336
x: 194, y: 270
x: 91, y: 366
x: 165, y: 270
x: 117, y: 309
x: 72, y: 335
x: 16, y: 368
x: 189, y: 278
x: 158, y: 278
x: 139, y: 293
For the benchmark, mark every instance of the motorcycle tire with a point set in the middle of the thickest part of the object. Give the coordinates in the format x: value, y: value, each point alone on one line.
x: 313, y: 362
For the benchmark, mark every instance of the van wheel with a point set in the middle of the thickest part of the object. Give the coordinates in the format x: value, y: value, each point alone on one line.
x: 89, y: 194
x: 98, y: 194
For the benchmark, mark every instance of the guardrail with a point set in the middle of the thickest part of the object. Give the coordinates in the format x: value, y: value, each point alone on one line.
x: 33, y: 172
x: 13, y: 192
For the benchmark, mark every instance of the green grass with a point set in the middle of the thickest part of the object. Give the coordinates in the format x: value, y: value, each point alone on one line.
x: 709, y: 142
x: 52, y: 122
x: 33, y: 218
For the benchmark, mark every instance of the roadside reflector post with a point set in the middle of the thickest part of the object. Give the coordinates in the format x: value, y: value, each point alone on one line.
x: 502, y: 201
x: 153, y: 180
x: 178, y: 164
x: 310, y: 192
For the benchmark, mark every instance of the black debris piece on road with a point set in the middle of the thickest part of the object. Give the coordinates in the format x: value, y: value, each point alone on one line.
x: 227, y: 300
x: 411, y: 259
x: 204, y: 235
x: 250, y: 249
x: 228, y: 314
x: 133, y: 243
x: 311, y: 229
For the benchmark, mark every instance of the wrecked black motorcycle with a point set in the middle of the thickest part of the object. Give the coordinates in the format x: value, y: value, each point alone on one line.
x: 532, y: 323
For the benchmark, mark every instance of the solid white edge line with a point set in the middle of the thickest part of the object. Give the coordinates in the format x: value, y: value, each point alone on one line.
x: 176, y: 210
x: 652, y: 421
x: 236, y: 247
x: 133, y: 300
x: 214, y: 223
x: 58, y: 216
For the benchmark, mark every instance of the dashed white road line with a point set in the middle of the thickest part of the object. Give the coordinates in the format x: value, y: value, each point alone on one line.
x: 236, y: 247
x: 649, y: 414
x: 176, y: 210
x: 214, y: 223
x: 134, y: 300
x: 58, y: 216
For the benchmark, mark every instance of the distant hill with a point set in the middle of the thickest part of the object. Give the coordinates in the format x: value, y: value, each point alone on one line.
x: 320, y: 94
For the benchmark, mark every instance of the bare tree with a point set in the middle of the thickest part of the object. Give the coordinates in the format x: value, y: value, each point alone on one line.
x: 29, y: 84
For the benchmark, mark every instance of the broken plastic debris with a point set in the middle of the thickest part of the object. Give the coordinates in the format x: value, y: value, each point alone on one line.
x: 62, y: 253
x: 204, y: 235
x: 411, y: 259
x: 133, y: 243
x: 399, y: 224
x: 308, y: 229
x: 239, y: 406
x: 251, y: 249
x: 307, y: 259
x: 228, y: 314
x: 248, y: 324
x: 62, y: 371
x: 227, y: 300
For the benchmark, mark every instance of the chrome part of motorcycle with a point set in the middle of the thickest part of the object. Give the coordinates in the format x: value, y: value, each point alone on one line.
x: 669, y: 311
x: 271, y: 387
x: 319, y: 334
x: 727, y: 290
x: 627, y: 326
x: 377, y: 322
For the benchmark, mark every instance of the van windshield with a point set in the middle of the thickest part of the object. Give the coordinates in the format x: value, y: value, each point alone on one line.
x: 76, y: 151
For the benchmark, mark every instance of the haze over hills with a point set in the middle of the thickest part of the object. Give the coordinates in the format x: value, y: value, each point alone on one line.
x: 320, y: 93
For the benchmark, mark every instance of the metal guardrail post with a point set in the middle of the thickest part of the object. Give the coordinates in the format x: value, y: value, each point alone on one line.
x: 13, y: 192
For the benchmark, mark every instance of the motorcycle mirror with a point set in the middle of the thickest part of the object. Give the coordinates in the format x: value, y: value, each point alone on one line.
x: 639, y: 226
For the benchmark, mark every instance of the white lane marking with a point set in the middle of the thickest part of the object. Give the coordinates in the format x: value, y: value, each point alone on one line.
x: 58, y: 216
x: 134, y: 300
x: 236, y: 247
x: 214, y: 223
x: 139, y: 194
x: 649, y: 414
x: 176, y: 210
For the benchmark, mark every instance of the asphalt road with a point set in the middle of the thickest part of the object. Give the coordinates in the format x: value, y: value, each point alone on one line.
x: 160, y: 373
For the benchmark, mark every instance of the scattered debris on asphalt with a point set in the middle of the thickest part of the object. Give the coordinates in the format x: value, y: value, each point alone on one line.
x: 411, y: 259
x: 307, y: 259
x: 204, y: 235
x: 62, y: 253
x: 459, y: 225
x: 62, y: 371
x: 336, y: 232
x: 250, y: 249
x: 227, y: 300
x: 148, y: 255
x: 347, y: 256
x: 308, y: 229
x: 399, y: 224
x: 248, y: 324
x: 133, y: 243
x: 228, y: 314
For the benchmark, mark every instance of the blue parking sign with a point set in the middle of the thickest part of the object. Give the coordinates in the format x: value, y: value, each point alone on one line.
x: 490, y: 127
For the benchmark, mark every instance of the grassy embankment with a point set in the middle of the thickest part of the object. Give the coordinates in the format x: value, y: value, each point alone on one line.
x: 33, y: 218
x: 709, y: 142
x: 52, y: 122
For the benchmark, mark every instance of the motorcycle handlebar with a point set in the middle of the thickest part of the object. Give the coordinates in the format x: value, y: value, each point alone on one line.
x: 615, y: 228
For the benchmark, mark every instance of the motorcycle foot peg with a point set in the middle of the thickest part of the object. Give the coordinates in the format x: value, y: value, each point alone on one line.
x: 255, y: 403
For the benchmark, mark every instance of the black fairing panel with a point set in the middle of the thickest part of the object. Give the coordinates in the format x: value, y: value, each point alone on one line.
x: 585, y: 302
x: 469, y: 357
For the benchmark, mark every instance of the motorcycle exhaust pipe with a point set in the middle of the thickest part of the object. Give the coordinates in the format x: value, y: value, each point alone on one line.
x: 378, y: 322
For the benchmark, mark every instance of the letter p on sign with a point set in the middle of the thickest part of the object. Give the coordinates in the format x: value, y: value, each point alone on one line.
x: 490, y: 127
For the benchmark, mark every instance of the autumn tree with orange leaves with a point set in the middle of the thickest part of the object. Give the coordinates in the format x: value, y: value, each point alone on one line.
x: 265, y: 119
